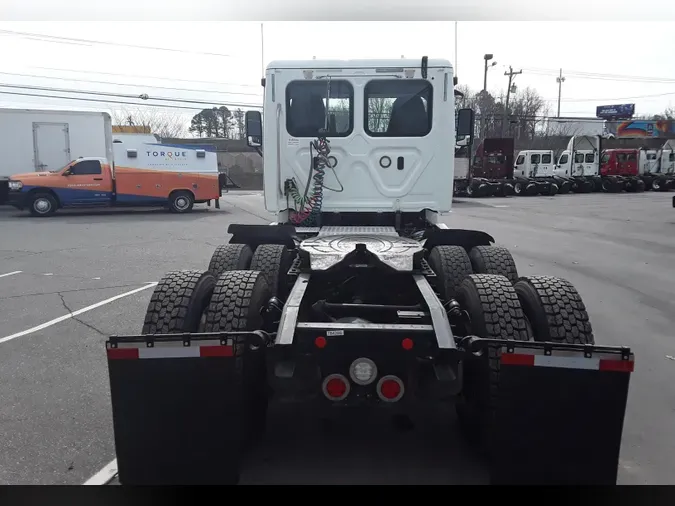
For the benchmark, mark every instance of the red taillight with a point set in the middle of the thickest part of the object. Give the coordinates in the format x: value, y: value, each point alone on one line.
x: 390, y: 389
x: 336, y: 387
x: 407, y: 344
x: 320, y: 342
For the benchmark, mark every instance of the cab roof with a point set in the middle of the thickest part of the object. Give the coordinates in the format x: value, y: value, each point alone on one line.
x: 358, y: 64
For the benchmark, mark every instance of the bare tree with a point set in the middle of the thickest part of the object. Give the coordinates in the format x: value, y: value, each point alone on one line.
x: 667, y: 114
x: 240, y: 123
x: 158, y: 121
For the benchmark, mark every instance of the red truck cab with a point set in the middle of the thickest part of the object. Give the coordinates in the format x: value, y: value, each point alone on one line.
x: 619, y: 162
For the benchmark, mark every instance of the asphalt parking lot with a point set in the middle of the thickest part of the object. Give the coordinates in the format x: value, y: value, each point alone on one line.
x: 69, y: 281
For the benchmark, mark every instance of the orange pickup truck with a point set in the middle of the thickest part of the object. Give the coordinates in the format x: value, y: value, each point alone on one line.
x: 137, y: 174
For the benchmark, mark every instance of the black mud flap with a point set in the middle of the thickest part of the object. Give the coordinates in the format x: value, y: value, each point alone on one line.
x: 177, y: 409
x: 559, y: 414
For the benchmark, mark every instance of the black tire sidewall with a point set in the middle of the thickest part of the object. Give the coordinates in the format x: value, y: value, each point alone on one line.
x: 199, y: 301
x: 45, y: 196
x: 177, y: 195
x: 529, y: 301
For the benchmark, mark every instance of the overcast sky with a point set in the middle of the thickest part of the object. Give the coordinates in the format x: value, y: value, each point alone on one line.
x: 221, y: 62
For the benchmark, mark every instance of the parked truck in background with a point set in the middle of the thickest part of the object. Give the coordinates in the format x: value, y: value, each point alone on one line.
x: 616, y: 169
x: 43, y: 140
x: 578, y: 164
x: 132, y: 173
x: 491, y: 172
x: 657, y: 167
x: 533, y: 173
x: 619, y: 170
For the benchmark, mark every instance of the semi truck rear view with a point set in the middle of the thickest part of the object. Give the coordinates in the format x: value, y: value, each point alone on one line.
x: 358, y: 295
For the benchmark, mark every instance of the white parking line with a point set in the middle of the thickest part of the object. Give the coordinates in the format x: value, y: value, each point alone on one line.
x: 75, y: 313
x: 105, y: 475
x: 10, y: 274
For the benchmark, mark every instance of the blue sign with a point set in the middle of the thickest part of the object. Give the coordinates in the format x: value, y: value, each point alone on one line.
x: 622, y: 111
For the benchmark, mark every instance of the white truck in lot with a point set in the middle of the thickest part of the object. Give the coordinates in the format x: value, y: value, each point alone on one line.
x: 43, y: 140
x: 533, y: 173
x: 657, y: 167
x: 360, y: 297
x: 579, y: 164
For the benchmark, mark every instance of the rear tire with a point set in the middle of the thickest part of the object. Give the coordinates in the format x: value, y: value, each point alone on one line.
x: 43, y: 205
x: 178, y: 302
x: 611, y: 186
x: 555, y: 310
x: 495, y: 312
x: 451, y: 265
x: 274, y: 261
x: 493, y: 260
x: 181, y: 202
x: 236, y: 304
x: 230, y: 257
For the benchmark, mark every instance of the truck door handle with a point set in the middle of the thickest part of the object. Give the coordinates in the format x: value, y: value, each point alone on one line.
x: 98, y: 179
x: 399, y: 163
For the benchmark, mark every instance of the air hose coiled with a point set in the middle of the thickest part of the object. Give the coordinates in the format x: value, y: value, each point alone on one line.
x: 308, y: 206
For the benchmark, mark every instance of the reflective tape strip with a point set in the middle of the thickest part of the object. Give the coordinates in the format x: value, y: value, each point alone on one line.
x: 568, y: 362
x: 170, y: 352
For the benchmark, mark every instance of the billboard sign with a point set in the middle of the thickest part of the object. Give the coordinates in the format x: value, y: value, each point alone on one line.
x: 623, y: 111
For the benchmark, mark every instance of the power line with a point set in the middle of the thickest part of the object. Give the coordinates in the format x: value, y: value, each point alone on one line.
x: 102, y: 101
x: 604, y: 77
x: 135, y: 76
x: 119, y: 95
x: 130, y: 85
x: 55, y: 38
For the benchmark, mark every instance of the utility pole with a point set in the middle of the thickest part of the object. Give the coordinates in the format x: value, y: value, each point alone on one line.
x: 511, y: 75
x: 262, y: 49
x: 560, y: 80
x: 455, y: 48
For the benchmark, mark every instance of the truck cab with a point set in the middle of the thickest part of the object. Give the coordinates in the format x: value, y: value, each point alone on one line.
x: 533, y: 173
x: 492, y: 169
x: 534, y: 163
x: 656, y: 168
x: 583, y: 163
x: 667, y: 161
x: 388, y: 134
x: 619, y: 162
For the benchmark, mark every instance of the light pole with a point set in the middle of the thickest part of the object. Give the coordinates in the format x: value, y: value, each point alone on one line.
x: 559, y: 80
x: 487, y: 58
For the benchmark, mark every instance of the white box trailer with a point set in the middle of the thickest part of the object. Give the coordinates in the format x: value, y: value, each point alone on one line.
x: 43, y: 140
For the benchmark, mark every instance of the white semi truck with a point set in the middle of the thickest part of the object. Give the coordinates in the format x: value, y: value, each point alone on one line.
x: 43, y: 140
x: 360, y: 296
x: 533, y: 173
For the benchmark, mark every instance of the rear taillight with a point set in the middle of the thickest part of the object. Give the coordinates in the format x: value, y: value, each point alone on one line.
x: 390, y: 389
x: 335, y: 387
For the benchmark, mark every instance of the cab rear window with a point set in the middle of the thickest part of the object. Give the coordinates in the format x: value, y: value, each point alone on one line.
x: 310, y: 105
x: 398, y: 108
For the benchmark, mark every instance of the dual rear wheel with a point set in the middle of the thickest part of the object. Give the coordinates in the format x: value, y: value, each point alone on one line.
x: 500, y: 304
x: 229, y: 296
